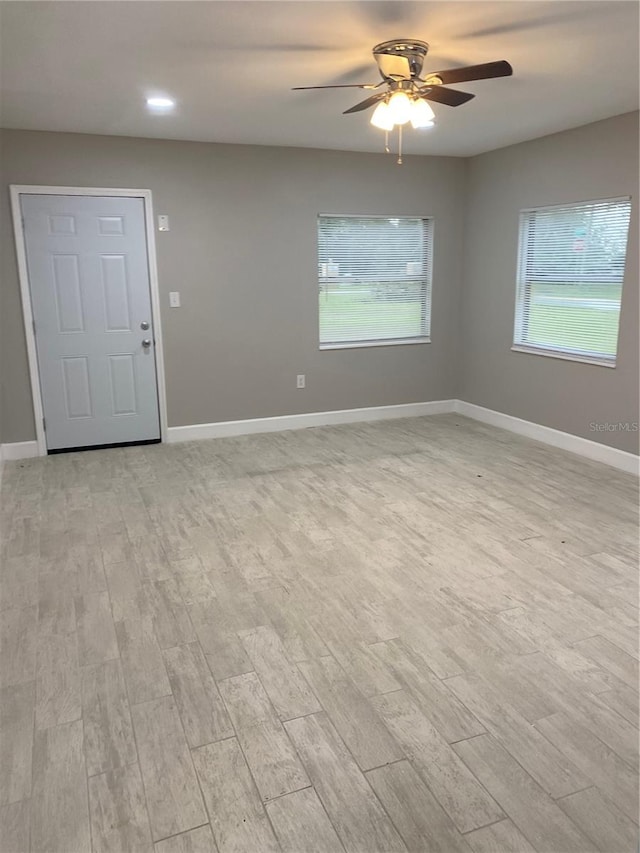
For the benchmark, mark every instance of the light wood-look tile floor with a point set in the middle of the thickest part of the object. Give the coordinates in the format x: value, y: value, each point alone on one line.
x: 418, y: 634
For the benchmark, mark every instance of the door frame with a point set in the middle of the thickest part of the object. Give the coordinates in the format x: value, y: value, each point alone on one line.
x: 17, y: 190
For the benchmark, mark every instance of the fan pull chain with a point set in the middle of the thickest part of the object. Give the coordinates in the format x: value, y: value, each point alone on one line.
x: 400, y: 145
x: 386, y: 142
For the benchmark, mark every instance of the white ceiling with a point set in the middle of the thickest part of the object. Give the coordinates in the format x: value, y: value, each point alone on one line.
x: 88, y: 66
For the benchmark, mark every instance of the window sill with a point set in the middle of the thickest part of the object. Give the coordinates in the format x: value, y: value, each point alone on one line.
x: 361, y: 344
x: 565, y: 356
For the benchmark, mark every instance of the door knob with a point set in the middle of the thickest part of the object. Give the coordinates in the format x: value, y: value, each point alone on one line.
x: 146, y: 343
x: 144, y: 325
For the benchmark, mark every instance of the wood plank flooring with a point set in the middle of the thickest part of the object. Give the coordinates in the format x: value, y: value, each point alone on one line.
x: 413, y: 635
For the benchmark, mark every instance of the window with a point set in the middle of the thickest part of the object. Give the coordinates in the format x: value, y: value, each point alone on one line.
x: 374, y: 275
x: 570, y: 273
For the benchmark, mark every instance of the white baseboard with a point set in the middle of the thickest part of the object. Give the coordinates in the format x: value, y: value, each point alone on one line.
x: 593, y: 450
x: 310, y: 419
x: 556, y: 438
x: 18, y: 450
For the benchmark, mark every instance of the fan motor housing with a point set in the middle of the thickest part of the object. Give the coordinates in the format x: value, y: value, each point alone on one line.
x: 412, y: 50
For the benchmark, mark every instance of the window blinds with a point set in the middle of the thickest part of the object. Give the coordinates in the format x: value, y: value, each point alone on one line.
x: 374, y: 277
x: 570, y: 274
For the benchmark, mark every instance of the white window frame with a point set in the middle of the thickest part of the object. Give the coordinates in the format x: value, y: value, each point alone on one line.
x: 428, y: 276
x: 521, y: 287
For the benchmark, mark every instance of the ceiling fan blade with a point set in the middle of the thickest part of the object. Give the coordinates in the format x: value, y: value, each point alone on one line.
x: 339, y: 86
x: 442, y: 95
x: 558, y: 17
x: 485, y: 71
x: 363, y: 105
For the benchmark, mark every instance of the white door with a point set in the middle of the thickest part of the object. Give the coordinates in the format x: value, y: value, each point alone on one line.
x: 89, y: 283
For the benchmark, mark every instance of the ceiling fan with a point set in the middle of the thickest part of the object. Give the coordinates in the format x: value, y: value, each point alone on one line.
x: 405, y: 94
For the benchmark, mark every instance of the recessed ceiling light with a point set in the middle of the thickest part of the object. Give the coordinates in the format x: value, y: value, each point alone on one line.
x: 160, y: 103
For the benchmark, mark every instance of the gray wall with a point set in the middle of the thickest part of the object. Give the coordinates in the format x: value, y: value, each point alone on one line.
x: 242, y: 251
x: 596, y: 161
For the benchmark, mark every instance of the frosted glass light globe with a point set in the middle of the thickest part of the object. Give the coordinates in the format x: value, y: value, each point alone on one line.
x: 382, y: 117
x: 421, y: 114
x: 400, y: 107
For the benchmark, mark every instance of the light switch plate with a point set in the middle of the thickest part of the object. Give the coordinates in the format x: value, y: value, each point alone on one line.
x: 174, y: 299
x: 163, y: 222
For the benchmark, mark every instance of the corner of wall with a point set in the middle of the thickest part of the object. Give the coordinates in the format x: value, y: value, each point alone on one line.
x: 460, y: 355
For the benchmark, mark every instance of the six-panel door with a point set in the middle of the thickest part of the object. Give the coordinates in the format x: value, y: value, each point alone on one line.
x: 89, y: 283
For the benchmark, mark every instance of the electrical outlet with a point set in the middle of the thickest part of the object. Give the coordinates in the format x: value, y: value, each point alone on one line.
x: 300, y: 380
x: 174, y: 299
x: 163, y: 222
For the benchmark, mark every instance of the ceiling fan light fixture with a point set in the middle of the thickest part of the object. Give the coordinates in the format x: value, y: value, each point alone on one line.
x: 382, y: 117
x: 406, y: 94
x: 400, y: 107
x: 421, y: 114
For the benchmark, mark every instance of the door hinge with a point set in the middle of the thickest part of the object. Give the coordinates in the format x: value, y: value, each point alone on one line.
x: 44, y: 425
x: 33, y: 324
